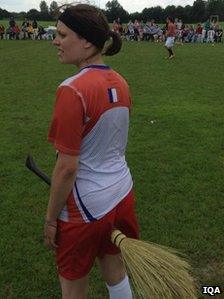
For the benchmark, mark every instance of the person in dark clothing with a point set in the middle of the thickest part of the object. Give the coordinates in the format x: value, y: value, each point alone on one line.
x: 41, y: 32
x: 12, y: 22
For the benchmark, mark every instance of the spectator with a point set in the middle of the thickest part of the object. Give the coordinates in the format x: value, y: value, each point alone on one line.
x: 2, y: 31
x: 120, y: 27
x: 206, y: 28
x: 218, y: 35
x: 25, y: 26
x: 16, y: 32
x: 147, y: 31
x: 30, y: 31
x: 115, y: 26
x: 158, y: 37
x: 190, y: 36
x: 130, y: 34
x: 179, y: 24
x: 179, y: 31
x: 9, y: 33
x: 185, y: 32
x: 198, y: 33
x: 210, y: 35
x: 136, y: 30
x: 41, y: 32
x: 35, y: 29
x: 141, y: 30
x: 154, y: 30
x: 12, y: 22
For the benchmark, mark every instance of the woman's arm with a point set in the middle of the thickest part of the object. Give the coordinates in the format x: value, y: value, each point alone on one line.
x: 61, y: 185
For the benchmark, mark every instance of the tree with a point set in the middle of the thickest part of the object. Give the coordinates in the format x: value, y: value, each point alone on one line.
x: 187, y: 14
x: 21, y: 15
x: 44, y: 11
x: 114, y: 10
x: 215, y: 7
x: 170, y: 11
x: 43, y: 7
x: 54, y: 9
x: 198, y: 11
x: 179, y: 12
x: 33, y: 14
x: 136, y: 16
x: 4, y: 14
x: 146, y: 14
x: 157, y: 14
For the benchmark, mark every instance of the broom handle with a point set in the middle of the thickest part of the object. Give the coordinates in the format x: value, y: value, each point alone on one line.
x: 31, y: 165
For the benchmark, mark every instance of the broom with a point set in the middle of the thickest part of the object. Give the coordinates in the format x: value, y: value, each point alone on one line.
x: 157, y: 271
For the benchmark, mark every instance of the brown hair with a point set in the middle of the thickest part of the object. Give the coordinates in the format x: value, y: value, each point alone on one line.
x: 93, y: 26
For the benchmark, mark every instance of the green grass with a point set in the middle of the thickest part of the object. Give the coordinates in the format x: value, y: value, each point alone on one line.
x: 175, y: 152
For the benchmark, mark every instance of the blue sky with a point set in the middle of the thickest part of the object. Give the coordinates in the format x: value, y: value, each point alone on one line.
x: 129, y: 5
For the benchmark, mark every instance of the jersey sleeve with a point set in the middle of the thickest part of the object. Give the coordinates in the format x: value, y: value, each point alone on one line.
x: 67, y: 123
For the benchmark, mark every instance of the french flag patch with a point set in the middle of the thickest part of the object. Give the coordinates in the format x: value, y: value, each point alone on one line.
x: 112, y: 95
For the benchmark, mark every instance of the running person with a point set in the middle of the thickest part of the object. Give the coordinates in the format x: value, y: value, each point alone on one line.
x: 170, y: 37
x: 92, y: 189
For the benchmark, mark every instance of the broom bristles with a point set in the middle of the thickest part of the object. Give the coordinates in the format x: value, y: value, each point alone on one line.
x: 157, y: 271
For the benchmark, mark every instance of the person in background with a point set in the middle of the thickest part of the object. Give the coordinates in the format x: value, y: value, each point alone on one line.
x: 30, y: 31
x: 9, y: 34
x: 41, y: 32
x: 170, y: 37
x: 16, y: 31
x: 206, y: 27
x: 198, y: 33
x: 218, y: 34
x: 24, y: 27
x: 2, y: 31
x: 120, y: 27
x: 35, y: 29
x: 91, y: 188
x: 130, y: 31
x: 115, y: 26
x: 12, y: 22
x: 210, y: 35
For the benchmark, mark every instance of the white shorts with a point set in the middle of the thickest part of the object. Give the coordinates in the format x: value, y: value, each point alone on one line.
x: 169, y: 41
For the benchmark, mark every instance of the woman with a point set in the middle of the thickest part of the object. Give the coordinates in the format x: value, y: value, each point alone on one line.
x: 91, y: 191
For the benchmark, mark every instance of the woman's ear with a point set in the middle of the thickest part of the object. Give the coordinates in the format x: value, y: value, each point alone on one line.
x: 87, y: 44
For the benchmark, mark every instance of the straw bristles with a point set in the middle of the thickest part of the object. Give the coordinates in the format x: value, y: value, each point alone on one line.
x: 157, y: 272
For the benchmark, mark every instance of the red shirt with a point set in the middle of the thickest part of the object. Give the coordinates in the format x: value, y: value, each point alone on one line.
x: 171, y: 29
x: 91, y: 119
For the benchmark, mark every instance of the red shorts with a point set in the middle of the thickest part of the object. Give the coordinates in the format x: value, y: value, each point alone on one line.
x: 80, y: 243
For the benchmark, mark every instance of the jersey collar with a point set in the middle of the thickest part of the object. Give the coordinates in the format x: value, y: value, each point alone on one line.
x: 96, y: 66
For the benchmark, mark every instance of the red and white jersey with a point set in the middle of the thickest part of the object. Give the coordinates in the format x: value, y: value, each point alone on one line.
x: 91, y: 120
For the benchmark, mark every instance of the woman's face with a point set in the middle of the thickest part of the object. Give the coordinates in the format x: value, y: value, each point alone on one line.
x: 71, y: 47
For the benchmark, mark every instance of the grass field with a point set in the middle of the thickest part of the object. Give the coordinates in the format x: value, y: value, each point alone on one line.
x: 175, y: 152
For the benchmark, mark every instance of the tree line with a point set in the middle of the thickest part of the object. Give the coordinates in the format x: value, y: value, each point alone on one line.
x: 200, y: 11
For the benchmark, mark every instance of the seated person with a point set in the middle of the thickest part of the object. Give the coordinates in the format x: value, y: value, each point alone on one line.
x: 40, y: 32
x: 2, y: 31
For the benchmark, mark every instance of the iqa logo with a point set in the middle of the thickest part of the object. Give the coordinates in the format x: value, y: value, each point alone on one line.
x: 211, y: 291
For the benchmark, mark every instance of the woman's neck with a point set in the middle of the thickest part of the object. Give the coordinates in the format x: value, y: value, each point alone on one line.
x: 96, y: 59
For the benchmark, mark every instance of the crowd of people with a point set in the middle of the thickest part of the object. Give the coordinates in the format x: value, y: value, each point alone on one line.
x: 28, y: 30
x: 208, y: 32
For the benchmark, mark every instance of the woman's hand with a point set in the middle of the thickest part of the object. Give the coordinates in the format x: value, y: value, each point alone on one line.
x: 50, y: 230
